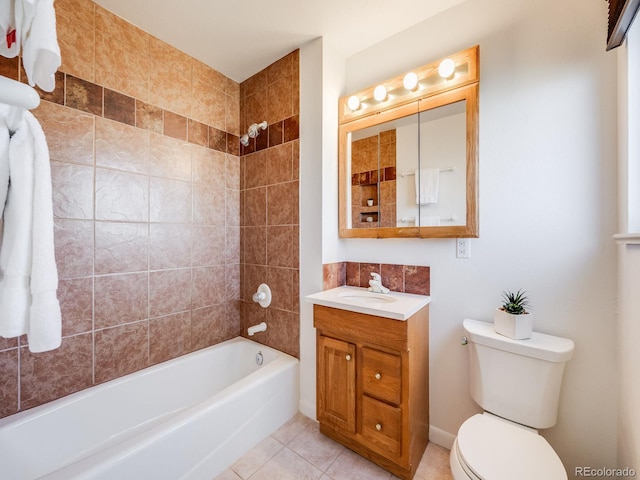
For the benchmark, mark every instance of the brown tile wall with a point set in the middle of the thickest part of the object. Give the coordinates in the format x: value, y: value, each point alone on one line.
x: 398, y: 278
x: 270, y: 203
x: 146, y: 175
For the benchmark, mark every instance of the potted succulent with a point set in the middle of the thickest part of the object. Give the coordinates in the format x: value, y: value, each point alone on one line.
x: 512, y: 319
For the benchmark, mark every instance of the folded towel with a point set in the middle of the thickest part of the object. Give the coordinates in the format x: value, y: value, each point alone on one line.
x: 40, y: 50
x: 427, y: 185
x: 28, y: 302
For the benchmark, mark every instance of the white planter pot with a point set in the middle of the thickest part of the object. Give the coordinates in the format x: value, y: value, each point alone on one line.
x: 517, y: 327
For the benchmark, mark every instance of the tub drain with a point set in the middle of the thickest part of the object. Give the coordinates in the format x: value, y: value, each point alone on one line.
x: 259, y: 358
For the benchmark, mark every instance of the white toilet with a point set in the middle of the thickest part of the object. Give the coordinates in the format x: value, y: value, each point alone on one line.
x: 517, y: 383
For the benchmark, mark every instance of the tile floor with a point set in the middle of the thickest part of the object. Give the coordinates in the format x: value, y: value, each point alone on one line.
x: 298, y: 451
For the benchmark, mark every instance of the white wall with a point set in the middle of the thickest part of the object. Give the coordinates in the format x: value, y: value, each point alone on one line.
x: 629, y: 255
x: 547, y: 202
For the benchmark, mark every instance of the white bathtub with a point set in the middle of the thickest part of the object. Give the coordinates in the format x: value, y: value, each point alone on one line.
x: 188, y: 418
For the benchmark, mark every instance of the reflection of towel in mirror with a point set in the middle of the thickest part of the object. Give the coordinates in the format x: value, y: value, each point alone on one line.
x: 427, y: 185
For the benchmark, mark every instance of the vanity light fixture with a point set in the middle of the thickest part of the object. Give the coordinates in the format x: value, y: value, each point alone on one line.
x: 380, y: 93
x: 353, y: 103
x: 447, y: 68
x: 410, y: 81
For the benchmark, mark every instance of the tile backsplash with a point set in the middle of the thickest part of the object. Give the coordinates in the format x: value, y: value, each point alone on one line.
x: 152, y: 201
x: 398, y: 278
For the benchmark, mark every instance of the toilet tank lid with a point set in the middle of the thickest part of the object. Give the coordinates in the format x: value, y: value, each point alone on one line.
x: 540, y: 345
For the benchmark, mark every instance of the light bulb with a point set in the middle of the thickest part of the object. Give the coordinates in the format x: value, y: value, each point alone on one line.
x: 380, y: 93
x: 353, y: 103
x: 446, y: 68
x: 410, y: 81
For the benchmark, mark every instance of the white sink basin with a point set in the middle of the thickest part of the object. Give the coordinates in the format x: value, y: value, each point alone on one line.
x: 367, y: 298
x: 394, y: 305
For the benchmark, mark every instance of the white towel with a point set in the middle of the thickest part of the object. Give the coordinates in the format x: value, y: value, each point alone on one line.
x: 28, y: 302
x: 8, y: 23
x: 427, y: 185
x: 40, y: 49
x: 430, y: 221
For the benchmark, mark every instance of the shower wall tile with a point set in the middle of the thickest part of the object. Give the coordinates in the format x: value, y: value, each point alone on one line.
x: 72, y: 187
x: 119, y: 107
x: 169, y: 292
x: 9, y: 371
x: 208, y: 287
x: 121, y: 196
x: 169, y: 246
x: 175, y: 125
x: 122, y: 55
x: 280, y: 163
x: 121, y: 350
x: 121, y: 299
x: 208, y: 246
x: 208, y: 166
x: 76, y: 29
x: 121, y: 147
x: 232, y: 172
x: 83, y: 95
x: 76, y: 305
x: 9, y: 67
x: 209, y: 106
x: 217, y: 139
x: 169, y: 84
x: 149, y: 117
x: 210, y: 325
x: 69, y: 133
x: 121, y: 247
x: 198, y: 133
x: 232, y: 245
x: 208, y: 205
x: 170, y: 158
x: 170, y: 201
x: 54, y: 374
x: 169, y: 337
x: 73, y: 247
x: 269, y: 203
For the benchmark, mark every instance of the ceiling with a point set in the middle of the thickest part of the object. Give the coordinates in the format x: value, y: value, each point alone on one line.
x: 241, y: 37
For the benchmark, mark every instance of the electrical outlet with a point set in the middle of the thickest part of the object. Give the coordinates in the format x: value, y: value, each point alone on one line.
x: 463, y: 248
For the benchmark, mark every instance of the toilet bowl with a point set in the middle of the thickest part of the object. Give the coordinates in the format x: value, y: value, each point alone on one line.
x: 491, y: 448
x: 517, y: 383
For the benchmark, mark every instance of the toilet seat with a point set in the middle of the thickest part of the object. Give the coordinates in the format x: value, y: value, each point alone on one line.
x: 491, y: 448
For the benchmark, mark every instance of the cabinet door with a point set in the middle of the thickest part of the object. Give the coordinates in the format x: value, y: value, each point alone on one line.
x: 337, y: 383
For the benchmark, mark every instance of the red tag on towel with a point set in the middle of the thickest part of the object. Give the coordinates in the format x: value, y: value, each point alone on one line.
x: 11, y: 38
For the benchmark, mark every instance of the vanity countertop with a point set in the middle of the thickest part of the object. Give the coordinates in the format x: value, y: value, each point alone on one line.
x: 394, y: 305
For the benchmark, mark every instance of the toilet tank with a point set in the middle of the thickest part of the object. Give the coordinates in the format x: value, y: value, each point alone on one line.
x: 519, y: 380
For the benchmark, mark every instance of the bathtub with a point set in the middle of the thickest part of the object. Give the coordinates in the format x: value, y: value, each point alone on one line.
x: 188, y: 418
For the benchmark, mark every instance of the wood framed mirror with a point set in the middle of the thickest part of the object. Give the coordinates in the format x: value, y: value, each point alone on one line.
x: 408, y: 164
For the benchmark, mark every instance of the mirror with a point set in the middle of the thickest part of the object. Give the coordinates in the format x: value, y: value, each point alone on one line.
x: 410, y: 170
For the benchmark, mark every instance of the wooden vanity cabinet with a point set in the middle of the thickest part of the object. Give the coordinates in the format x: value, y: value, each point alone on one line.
x: 373, y: 385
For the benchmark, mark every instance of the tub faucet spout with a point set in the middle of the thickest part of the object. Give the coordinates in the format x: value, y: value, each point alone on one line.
x: 261, y: 327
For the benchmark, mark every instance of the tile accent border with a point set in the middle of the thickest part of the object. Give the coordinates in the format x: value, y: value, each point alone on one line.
x: 97, y: 100
x: 398, y: 278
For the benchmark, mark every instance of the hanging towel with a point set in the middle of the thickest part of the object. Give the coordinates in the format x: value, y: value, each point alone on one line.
x: 427, y: 185
x: 10, y: 29
x: 28, y: 302
x: 40, y: 49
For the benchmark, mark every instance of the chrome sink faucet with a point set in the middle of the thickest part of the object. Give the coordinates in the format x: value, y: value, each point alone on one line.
x: 375, y: 284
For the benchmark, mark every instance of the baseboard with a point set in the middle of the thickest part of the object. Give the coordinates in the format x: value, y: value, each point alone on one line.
x: 308, y: 409
x: 440, y: 437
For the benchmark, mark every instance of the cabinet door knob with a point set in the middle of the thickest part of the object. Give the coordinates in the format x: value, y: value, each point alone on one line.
x: 378, y: 426
x: 378, y: 376
x: 348, y: 357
